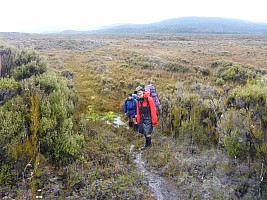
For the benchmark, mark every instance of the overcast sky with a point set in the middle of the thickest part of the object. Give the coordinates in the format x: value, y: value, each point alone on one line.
x: 40, y: 15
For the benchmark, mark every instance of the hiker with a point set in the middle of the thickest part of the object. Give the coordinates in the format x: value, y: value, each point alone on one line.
x: 134, y: 95
x: 130, y: 111
x: 153, y: 93
x: 146, y: 115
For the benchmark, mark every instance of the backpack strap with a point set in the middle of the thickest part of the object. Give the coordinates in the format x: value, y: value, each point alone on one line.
x: 133, y: 103
x: 146, y: 99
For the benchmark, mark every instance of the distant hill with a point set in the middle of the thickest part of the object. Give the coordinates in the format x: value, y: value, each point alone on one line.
x: 185, y: 25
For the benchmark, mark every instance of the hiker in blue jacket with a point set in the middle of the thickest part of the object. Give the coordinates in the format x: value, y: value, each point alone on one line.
x: 130, y: 110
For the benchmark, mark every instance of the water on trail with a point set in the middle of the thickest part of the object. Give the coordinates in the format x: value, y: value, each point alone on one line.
x: 160, y: 188
x: 118, y: 121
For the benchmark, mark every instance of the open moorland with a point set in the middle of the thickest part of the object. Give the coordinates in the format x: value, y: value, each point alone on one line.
x: 112, y: 64
x: 210, y: 142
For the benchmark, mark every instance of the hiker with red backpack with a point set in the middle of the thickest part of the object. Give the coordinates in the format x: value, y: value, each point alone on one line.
x: 146, y: 115
x: 130, y: 105
x: 151, y: 88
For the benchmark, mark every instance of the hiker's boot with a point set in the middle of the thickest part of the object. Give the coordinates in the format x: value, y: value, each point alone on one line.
x: 149, y: 141
x: 130, y: 124
x: 147, y: 144
x: 136, y: 127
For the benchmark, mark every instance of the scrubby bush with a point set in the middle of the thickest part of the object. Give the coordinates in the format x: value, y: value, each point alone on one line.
x: 145, y: 62
x: 176, y: 67
x: 220, y: 81
x: 8, y: 88
x: 203, y: 70
x: 221, y: 63
x: 236, y: 72
x: 190, y: 114
x: 37, y: 118
x: 29, y: 69
x: 251, y: 99
x: 26, y: 64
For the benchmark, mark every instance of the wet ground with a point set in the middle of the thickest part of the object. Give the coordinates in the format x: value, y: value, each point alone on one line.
x: 160, y: 188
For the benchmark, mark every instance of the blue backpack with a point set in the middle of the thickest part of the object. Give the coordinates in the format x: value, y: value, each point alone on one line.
x: 129, y: 105
x: 135, y: 96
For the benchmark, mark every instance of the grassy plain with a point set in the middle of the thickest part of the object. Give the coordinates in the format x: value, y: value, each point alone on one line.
x: 107, y: 67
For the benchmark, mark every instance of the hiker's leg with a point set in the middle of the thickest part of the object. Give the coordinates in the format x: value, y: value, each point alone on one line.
x: 147, y: 142
x: 136, y: 127
x: 135, y: 124
x: 130, y: 122
x: 132, y: 119
x: 147, y: 130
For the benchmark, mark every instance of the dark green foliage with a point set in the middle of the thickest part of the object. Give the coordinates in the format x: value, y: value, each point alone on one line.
x: 203, y: 114
x: 50, y: 82
x: 5, y: 174
x: 38, y: 120
x: 6, y: 60
x: 26, y: 63
x: 12, y: 127
x: 28, y: 70
x: 8, y: 83
x: 236, y: 72
x: 24, y: 56
x: 57, y: 108
x: 20, y: 63
x: 8, y: 88
x: 191, y: 114
x: 235, y: 146
x: 251, y: 101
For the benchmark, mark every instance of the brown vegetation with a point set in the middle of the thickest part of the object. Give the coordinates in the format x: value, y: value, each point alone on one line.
x: 210, y: 105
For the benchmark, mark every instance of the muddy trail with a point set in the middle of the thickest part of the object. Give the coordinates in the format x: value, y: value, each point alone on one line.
x: 160, y: 188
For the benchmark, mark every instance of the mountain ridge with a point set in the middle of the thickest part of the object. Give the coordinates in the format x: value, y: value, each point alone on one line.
x: 185, y: 25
